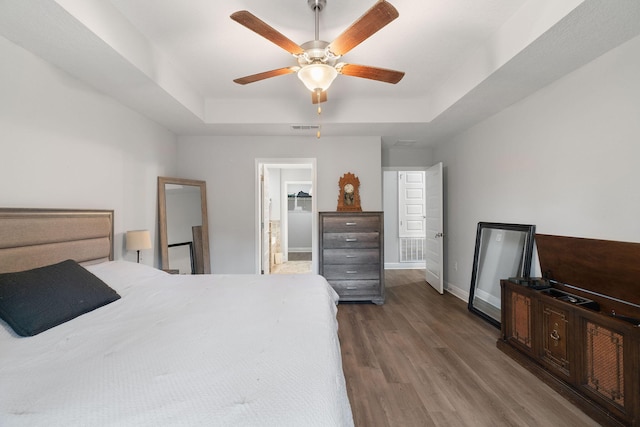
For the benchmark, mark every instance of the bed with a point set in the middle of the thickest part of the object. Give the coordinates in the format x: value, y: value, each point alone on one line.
x: 214, y: 350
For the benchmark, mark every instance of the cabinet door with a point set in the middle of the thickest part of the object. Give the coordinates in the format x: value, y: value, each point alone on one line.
x: 519, y: 320
x: 556, y: 340
x: 603, y: 370
x: 610, y: 366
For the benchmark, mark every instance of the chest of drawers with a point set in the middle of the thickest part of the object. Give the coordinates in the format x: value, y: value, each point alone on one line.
x: 351, y: 254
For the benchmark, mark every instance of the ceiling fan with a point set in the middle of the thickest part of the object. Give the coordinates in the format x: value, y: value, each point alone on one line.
x: 317, y: 60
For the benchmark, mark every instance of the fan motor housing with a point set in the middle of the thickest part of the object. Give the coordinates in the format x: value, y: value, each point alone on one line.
x: 316, y: 51
x: 317, y: 4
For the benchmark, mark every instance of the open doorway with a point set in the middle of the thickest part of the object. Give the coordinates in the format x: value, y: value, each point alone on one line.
x: 404, y: 197
x: 287, y: 224
x: 413, y: 218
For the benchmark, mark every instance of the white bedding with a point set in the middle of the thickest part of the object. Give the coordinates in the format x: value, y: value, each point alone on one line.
x: 201, y: 350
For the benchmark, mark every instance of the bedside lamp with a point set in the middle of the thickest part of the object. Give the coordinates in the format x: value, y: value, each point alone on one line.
x: 138, y: 240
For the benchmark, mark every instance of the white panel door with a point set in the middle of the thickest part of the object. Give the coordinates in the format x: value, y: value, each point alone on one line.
x: 434, y: 228
x: 411, y: 203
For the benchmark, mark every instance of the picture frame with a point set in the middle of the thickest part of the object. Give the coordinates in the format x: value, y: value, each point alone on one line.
x: 502, y: 251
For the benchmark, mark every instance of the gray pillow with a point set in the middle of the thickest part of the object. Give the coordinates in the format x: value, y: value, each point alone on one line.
x: 35, y: 300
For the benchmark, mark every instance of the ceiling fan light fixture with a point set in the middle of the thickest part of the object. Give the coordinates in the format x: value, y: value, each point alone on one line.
x: 317, y: 59
x: 317, y: 76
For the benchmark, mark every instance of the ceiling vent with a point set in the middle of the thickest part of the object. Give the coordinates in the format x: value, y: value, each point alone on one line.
x: 405, y: 143
x: 305, y: 127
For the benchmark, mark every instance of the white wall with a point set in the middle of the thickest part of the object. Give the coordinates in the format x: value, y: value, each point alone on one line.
x: 228, y: 166
x: 565, y: 159
x: 407, y: 157
x: 64, y: 145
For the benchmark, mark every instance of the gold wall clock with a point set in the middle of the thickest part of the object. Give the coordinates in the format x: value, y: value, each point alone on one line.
x: 349, y: 197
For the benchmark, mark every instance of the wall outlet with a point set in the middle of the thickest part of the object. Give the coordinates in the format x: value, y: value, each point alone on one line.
x: 455, y: 266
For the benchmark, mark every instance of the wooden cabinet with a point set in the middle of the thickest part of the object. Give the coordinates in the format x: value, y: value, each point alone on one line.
x: 588, y: 356
x: 351, y: 254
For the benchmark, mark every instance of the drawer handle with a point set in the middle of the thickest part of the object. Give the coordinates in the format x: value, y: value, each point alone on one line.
x: 349, y: 224
x: 556, y: 337
x: 351, y: 240
x: 352, y: 287
x: 351, y: 272
x: 350, y: 256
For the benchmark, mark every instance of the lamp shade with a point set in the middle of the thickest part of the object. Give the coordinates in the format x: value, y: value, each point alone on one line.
x: 317, y: 76
x: 138, y: 239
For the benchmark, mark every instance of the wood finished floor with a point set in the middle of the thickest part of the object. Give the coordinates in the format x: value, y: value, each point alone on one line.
x: 422, y: 359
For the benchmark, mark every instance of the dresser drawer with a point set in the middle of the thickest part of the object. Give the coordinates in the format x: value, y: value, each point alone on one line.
x: 351, y: 240
x: 351, y: 256
x: 348, y: 224
x: 360, y: 288
x: 351, y: 271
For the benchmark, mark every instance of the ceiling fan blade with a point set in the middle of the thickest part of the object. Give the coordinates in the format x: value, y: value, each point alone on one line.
x: 373, y: 73
x: 368, y: 24
x: 265, y: 75
x: 260, y: 27
x: 314, y: 97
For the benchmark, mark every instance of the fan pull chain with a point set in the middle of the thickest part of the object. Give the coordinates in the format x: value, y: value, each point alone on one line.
x: 318, y: 95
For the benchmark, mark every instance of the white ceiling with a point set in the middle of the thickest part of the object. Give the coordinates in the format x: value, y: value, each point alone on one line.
x: 174, y: 61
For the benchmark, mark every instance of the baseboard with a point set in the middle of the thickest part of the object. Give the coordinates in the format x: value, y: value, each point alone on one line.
x: 456, y: 291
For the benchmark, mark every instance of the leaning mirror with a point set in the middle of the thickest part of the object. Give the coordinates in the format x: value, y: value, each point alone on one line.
x: 184, y: 230
x: 502, y: 251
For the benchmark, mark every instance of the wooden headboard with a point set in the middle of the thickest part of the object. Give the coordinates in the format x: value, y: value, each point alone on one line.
x: 31, y: 238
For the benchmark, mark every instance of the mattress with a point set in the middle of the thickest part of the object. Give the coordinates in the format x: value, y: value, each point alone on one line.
x: 196, y: 350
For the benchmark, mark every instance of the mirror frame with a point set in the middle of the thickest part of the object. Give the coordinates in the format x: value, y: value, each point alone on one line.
x: 525, y: 263
x: 162, y: 219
